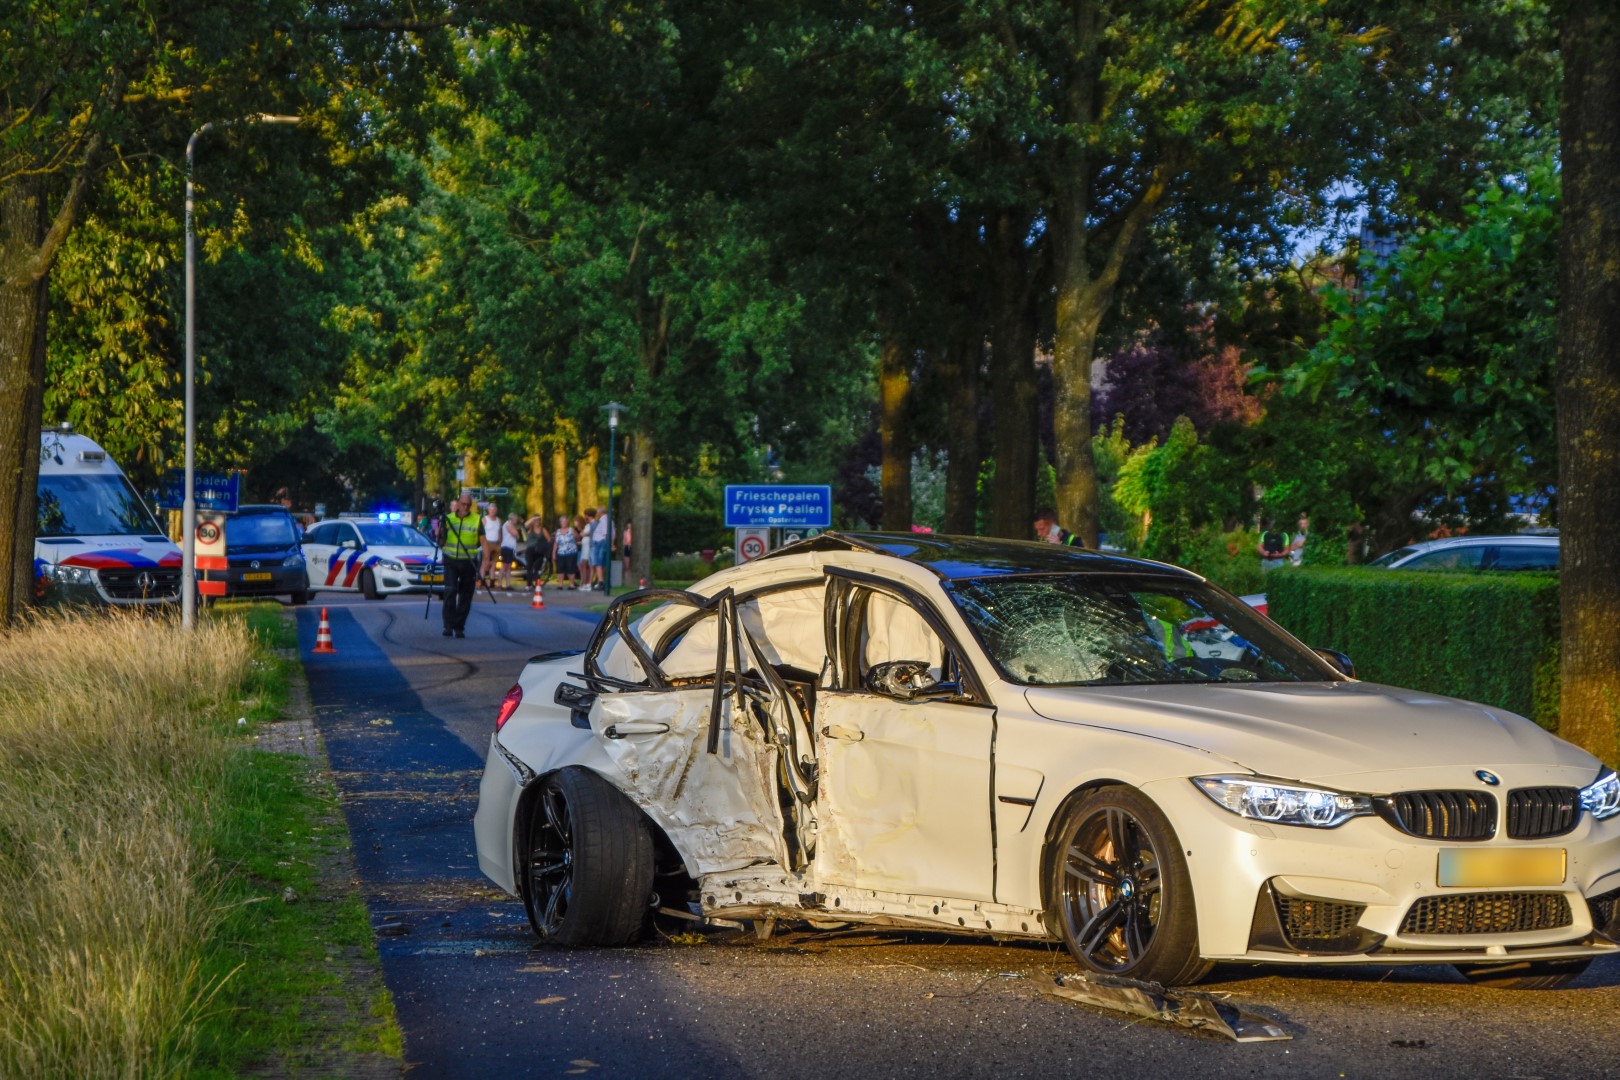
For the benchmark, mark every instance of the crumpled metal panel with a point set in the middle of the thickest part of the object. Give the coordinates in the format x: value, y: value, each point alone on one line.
x: 1185, y: 1008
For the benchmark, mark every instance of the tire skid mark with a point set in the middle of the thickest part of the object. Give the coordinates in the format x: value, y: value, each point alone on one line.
x: 469, y: 667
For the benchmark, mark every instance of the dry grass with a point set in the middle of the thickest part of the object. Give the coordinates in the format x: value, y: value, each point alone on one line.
x: 114, y: 732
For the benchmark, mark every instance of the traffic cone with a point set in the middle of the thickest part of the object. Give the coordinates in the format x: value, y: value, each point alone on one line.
x: 539, y: 602
x: 643, y: 583
x: 323, y: 635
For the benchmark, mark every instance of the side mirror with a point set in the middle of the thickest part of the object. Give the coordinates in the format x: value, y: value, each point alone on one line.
x: 1339, y: 662
x: 905, y: 679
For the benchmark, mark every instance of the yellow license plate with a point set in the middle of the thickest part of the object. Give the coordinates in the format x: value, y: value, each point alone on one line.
x: 255, y: 577
x: 1491, y: 868
x: 432, y: 579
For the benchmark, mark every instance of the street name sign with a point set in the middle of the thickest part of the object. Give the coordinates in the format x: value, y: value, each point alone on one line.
x: 213, y: 490
x: 782, y: 506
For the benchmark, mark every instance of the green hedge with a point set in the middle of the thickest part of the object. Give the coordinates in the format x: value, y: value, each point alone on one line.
x: 1486, y: 637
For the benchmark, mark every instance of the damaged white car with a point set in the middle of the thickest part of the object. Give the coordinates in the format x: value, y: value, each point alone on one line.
x: 1026, y: 741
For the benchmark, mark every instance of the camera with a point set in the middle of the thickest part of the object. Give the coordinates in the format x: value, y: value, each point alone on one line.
x: 437, y: 507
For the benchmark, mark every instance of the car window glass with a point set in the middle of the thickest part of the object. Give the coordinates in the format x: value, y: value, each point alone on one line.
x: 319, y: 534
x: 1106, y: 631
x: 1462, y: 557
x: 102, y: 505
x: 392, y: 534
x: 1393, y: 556
x: 259, y: 530
x: 1525, y: 557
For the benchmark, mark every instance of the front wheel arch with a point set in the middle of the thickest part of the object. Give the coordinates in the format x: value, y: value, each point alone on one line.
x: 1116, y: 890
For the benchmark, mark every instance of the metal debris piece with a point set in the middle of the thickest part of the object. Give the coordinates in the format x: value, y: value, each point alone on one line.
x: 1186, y: 1008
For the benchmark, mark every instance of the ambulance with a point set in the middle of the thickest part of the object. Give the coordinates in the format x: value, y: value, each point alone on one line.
x: 95, y: 541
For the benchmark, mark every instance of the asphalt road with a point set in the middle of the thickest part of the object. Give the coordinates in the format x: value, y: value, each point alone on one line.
x: 406, y: 715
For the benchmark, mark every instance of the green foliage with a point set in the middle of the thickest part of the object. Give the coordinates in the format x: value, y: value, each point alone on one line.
x: 1484, y: 637
x: 1433, y: 386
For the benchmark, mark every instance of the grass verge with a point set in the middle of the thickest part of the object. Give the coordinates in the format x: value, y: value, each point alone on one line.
x: 143, y: 850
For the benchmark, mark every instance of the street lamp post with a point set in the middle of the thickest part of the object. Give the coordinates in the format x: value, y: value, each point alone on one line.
x: 614, y: 411
x: 188, y: 513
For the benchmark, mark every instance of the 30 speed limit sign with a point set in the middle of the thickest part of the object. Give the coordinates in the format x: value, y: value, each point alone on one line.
x: 752, y: 543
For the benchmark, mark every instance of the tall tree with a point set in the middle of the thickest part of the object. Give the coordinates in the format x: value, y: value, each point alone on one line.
x: 1588, y: 387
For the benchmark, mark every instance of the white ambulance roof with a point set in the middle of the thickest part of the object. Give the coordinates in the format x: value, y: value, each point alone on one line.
x: 64, y: 453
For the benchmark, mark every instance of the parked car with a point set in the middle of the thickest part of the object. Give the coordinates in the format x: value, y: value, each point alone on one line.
x: 1523, y: 552
x: 95, y: 542
x: 1031, y: 741
x: 373, y: 555
x: 263, y: 554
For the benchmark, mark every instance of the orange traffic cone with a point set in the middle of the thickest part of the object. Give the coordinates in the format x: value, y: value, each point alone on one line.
x: 323, y: 635
x: 643, y: 583
x: 539, y: 602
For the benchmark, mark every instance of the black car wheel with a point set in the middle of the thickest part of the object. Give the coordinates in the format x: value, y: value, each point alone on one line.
x: 300, y: 597
x: 587, y: 878
x: 1526, y: 975
x: 1122, y: 898
x: 368, y: 585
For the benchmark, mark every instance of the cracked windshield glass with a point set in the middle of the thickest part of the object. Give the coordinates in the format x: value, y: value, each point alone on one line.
x: 1090, y: 630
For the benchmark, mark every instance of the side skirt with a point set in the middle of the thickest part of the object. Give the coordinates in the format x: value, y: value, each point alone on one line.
x: 789, y: 896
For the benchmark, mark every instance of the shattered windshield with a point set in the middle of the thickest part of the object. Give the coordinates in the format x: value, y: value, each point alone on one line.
x: 1117, y: 630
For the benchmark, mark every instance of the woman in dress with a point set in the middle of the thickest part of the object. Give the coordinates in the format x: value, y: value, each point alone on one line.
x: 565, y: 551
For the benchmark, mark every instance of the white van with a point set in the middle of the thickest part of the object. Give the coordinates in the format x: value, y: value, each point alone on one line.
x: 95, y: 541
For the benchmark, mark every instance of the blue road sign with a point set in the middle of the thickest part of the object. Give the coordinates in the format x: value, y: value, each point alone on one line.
x: 214, y: 491
x: 799, y: 506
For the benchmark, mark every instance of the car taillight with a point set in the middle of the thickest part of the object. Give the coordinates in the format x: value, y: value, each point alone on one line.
x: 509, y: 704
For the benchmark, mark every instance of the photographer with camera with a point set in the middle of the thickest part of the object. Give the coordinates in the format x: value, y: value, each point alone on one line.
x: 462, y: 542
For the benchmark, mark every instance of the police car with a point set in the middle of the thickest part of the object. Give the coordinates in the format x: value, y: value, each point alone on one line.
x: 375, y: 555
x: 94, y: 540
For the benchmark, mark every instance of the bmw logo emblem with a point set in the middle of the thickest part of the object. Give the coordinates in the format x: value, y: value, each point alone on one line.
x: 1488, y: 778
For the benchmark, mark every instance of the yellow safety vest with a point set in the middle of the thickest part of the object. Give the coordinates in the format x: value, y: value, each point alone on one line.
x: 461, y: 536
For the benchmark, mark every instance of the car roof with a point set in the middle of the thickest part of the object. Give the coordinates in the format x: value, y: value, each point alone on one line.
x: 960, y: 557
x: 263, y: 508
x: 1534, y: 539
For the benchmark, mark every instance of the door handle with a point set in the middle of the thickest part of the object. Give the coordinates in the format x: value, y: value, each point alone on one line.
x: 833, y: 731
x: 634, y: 727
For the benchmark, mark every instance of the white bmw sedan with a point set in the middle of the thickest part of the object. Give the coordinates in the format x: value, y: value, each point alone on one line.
x: 1026, y: 741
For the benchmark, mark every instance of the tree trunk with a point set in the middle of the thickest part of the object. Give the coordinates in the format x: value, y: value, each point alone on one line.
x: 1588, y: 383
x: 962, y: 362
x: 559, y: 482
x: 894, y: 426
x: 534, y: 498
x: 639, y: 490
x: 1012, y: 366
x: 1079, y: 313
x: 419, y: 490
x: 587, y: 485
x: 22, y: 384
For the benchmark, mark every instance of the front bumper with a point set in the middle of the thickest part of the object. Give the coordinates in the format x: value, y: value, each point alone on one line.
x: 265, y: 581
x: 115, y: 588
x: 1366, y: 892
x: 407, y: 581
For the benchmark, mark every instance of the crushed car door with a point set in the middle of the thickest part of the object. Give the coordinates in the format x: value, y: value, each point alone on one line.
x: 696, y: 735
x: 905, y: 736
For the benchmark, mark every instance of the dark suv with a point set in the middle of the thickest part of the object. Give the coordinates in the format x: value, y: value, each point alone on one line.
x: 261, y: 546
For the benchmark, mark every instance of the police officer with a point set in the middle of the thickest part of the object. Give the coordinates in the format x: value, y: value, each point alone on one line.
x: 462, y: 553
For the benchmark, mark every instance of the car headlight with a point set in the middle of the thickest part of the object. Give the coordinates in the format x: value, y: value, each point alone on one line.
x: 295, y: 559
x: 391, y: 564
x: 1282, y: 803
x: 1602, y: 798
x: 71, y: 575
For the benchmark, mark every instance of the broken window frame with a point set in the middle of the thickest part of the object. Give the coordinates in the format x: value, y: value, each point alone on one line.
x: 845, y: 611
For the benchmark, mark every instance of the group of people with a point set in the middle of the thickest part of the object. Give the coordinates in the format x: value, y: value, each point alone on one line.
x: 485, y: 547
x: 581, y: 548
x: 1276, y: 548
